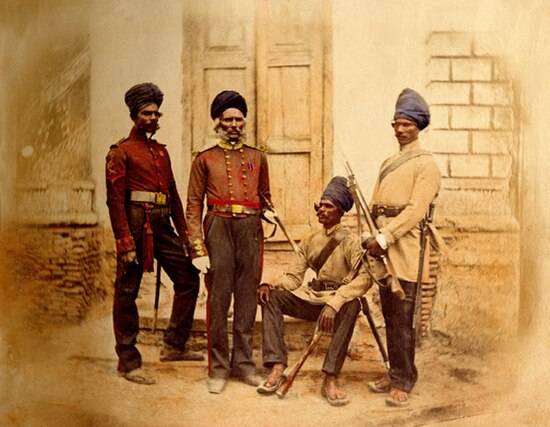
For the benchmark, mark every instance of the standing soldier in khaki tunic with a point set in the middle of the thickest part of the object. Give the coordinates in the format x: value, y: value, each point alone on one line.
x: 407, y: 185
x: 233, y: 178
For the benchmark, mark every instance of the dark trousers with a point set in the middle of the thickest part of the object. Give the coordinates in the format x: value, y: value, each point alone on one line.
x: 170, y: 254
x: 285, y: 302
x: 400, y: 337
x: 235, y: 246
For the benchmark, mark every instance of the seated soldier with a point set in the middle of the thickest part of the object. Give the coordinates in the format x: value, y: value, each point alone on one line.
x: 331, y: 252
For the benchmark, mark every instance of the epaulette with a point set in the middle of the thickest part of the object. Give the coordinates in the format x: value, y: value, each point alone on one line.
x: 120, y: 141
x: 203, y: 149
x: 257, y: 147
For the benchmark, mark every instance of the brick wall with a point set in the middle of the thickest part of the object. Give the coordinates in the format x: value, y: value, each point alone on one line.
x: 474, y: 136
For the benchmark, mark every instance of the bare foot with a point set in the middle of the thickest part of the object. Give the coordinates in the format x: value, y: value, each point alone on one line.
x: 275, y: 374
x: 397, y: 397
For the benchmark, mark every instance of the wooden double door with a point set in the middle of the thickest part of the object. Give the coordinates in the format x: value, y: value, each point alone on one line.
x: 276, y: 53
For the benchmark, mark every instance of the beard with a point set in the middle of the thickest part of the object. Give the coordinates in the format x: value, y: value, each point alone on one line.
x: 225, y: 137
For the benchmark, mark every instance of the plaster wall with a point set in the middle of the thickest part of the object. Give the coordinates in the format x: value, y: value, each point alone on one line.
x: 133, y: 42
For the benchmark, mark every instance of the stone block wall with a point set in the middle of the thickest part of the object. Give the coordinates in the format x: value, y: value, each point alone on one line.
x: 474, y: 136
x: 56, y: 271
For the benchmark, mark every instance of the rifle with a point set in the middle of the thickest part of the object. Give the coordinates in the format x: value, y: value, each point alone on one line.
x: 359, y: 199
x: 271, y: 208
x: 291, y: 373
x: 417, y: 319
x: 157, y: 296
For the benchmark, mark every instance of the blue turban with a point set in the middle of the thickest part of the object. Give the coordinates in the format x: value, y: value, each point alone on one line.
x: 227, y: 99
x: 411, y: 106
x: 142, y: 95
x: 338, y: 193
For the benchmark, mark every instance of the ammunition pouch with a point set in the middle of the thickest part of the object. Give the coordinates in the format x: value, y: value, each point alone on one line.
x: 323, y: 285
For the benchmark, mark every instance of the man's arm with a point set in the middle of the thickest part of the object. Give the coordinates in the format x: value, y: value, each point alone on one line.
x: 115, y: 174
x: 195, y: 200
x: 361, y: 282
x: 426, y: 187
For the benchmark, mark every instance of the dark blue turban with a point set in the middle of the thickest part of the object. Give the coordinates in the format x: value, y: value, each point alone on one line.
x: 411, y: 106
x: 142, y: 95
x: 227, y: 99
x: 338, y: 193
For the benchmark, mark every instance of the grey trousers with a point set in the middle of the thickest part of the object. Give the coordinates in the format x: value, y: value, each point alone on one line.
x: 235, y: 246
x: 285, y: 302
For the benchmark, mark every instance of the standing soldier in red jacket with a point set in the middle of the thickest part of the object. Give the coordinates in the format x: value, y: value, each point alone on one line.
x: 233, y: 178
x: 142, y: 198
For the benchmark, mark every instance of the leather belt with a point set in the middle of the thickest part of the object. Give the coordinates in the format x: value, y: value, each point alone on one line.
x: 159, y: 199
x: 234, y: 209
x: 323, y: 285
x: 387, y: 211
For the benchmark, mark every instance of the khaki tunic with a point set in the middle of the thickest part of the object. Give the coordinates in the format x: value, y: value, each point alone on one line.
x: 336, y: 267
x: 413, y: 185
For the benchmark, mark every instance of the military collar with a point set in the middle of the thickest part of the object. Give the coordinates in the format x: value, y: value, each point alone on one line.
x: 228, y: 146
x: 139, y: 135
x: 333, y: 229
x: 410, y: 146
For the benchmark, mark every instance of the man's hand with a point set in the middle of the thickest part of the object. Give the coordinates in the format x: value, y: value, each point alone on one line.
x: 374, y: 249
x: 263, y: 293
x: 127, y: 259
x: 202, y: 263
x: 326, y: 319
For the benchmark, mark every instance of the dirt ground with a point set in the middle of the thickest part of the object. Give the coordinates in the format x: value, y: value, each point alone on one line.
x: 66, y: 376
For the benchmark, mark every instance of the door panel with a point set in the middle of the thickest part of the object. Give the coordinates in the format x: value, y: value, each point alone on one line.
x: 272, y: 53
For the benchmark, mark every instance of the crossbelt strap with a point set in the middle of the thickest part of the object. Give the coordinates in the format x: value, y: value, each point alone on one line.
x: 329, y: 248
x: 401, y: 160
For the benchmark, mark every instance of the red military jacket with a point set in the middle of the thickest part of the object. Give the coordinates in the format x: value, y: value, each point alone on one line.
x: 226, y: 175
x: 139, y: 164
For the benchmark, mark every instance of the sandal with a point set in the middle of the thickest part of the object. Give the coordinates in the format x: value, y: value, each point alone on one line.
x: 382, y: 385
x: 334, y: 401
x: 392, y: 401
x: 138, y: 376
x: 265, y: 389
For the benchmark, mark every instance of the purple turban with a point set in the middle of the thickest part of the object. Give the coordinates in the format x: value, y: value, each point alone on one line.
x: 142, y: 95
x: 338, y: 193
x: 227, y: 99
x: 411, y: 106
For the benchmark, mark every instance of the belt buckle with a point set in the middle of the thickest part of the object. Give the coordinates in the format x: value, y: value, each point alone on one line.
x: 237, y: 209
x: 160, y: 199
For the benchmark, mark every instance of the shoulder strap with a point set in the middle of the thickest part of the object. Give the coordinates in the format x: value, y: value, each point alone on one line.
x: 120, y: 141
x: 329, y: 248
x: 401, y: 160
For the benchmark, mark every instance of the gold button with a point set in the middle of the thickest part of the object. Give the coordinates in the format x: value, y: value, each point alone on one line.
x: 245, y: 184
x: 244, y: 176
x: 230, y: 184
x: 242, y: 163
x: 231, y: 191
x: 241, y: 150
x: 228, y: 169
x: 226, y: 156
x: 232, y: 198
x: 229, y: 176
